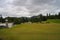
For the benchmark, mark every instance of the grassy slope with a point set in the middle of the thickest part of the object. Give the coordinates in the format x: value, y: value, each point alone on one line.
x: 54, y: 20
x: 34, y: 31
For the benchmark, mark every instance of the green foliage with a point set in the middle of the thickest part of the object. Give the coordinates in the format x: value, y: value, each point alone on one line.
x: 17, y: 21
x: 34, y: 19
x: 2, y: 20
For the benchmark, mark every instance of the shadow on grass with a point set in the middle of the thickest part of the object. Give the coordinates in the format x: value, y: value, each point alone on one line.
x: 1, y: 38
x: 2, y: 27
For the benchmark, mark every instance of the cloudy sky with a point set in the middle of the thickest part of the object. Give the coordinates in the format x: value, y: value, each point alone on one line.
x: 18, y: 8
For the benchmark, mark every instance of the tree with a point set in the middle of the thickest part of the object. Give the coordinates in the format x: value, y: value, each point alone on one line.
x: 44, y: 18
x: 59, y: 15
x: 17, y: 21
x: 40, y: 17
x: 1, y: 18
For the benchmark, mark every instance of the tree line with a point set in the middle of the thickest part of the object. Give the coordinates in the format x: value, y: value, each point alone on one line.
x: 33, y: 19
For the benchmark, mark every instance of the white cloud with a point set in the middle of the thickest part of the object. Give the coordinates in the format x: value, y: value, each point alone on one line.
x: 26, y: 8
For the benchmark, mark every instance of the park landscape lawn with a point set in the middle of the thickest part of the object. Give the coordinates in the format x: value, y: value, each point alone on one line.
x: 53, y: 20
x: 34, y: 31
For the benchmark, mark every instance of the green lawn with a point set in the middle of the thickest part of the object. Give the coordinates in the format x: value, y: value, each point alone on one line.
x: 53, y: 20
x: 35, y: 31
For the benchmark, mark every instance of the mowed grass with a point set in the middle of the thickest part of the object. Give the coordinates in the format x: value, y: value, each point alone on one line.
x: 34, y: 31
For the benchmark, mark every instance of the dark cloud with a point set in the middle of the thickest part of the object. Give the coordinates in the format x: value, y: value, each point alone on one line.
x: 34, y: 6
x: 31, y: 2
